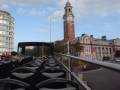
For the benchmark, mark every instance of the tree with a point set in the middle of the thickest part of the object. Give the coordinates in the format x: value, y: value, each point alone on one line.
x: 76, y: 48
x: 59, y: 47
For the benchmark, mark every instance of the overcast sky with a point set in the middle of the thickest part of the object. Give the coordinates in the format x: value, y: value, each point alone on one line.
x: 96, y: 17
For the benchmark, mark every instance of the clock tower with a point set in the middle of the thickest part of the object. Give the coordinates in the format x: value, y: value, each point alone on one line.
x: 69, y: 33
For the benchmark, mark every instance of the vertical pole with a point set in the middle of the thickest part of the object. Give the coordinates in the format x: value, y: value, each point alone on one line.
x: 69, y: 65
x: 68, y: 47
x: 42, y: 50
x: 50, y: 26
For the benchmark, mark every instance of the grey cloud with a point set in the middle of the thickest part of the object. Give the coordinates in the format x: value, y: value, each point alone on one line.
x: 96, y: 7
x: 21, y: 11
x: 35, y: 12
x: 32, y: 12
x: 41, y: 29
x: 30, y: 2
x: 2, y: 1
x: 80, y: 7
x: 4, y: 7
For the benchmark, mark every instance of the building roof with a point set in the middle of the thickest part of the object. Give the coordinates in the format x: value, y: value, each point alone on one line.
x: 68, y: 3
x: 5, y: 12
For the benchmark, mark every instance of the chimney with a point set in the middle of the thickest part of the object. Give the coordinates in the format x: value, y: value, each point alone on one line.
x: 91, y: 36
x: 104, y: 37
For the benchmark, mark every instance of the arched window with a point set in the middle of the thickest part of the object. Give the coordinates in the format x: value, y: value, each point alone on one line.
x: 69, y: 10
x: 86, y: 40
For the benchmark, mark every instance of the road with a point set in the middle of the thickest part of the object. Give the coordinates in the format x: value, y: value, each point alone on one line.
x: 102, y: 79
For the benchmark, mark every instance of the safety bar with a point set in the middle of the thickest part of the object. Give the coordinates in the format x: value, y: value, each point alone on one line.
x: 80, y: 82
x: 111, y: 66
x: 75, y: 77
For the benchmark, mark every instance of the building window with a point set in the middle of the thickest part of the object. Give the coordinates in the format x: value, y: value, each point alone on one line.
x: 9, y: 38
x: 1, y: 17
x: 103, y: 51
x: 1, y: 44
x: 9, y: 33
x: 6, y: 38
x: 0, y: 32
x: 107, y: 51
x: 69, y: 10
x: 110, y: 50
x: 86, y: 40
x: 1, y: 21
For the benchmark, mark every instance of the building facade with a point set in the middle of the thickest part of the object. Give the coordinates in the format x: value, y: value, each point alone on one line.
x: 6, y: 32
x: 89, y: 46
x: 94, y: 48
x: 69, y: 33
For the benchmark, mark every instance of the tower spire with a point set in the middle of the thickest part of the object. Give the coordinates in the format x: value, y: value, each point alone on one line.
x: 68, y: 3
x: 68, y: 17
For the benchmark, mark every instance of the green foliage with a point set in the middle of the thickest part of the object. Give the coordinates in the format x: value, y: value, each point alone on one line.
x: 60, y: 47
x: 77, y: 63
x: 77, y: 46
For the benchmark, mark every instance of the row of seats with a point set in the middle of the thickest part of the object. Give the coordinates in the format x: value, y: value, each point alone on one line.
x: 38, y: 74
x: 5, y: 68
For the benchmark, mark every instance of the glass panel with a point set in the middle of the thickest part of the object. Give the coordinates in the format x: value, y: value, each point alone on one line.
x: 36, y: 51
x: 1, y: 21
x: 1, y: 17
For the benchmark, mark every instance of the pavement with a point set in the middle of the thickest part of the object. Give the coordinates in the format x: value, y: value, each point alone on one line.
x: 102, y: 79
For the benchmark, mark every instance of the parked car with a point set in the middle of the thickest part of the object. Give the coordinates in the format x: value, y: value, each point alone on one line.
x: 106, y: 58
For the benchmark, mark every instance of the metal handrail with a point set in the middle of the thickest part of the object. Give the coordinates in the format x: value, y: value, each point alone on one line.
x: 111, y: 66
x: 75, y: 77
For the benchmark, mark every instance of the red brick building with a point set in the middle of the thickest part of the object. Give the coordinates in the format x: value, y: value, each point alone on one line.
x: 90, y: 47
x: 69, y: 33
x: 98, y: 48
